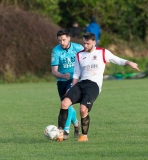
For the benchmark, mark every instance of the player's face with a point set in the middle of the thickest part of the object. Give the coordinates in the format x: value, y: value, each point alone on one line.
x: 89, y: 45
x: 64, y: 41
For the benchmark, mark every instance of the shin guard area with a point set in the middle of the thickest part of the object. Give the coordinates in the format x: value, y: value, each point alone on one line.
x: 62, y: 118
x: 85, y: 124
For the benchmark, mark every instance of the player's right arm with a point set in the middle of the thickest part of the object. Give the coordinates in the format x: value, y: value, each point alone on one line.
x: 57, y: 74
x: 74, y: 81
x: 55, y: 64
x: 77, y: 71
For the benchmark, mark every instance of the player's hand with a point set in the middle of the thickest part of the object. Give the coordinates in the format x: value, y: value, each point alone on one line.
x: 134, y: 66
x: 66, y: 75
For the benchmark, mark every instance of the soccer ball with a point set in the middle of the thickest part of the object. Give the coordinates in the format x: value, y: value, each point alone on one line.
x: 51, y: 132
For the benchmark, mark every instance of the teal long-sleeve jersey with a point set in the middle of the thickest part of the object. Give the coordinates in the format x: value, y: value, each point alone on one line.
x: 65, y: 58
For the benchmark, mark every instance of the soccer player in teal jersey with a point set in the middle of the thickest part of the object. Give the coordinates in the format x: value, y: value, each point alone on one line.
x: 62, y: 62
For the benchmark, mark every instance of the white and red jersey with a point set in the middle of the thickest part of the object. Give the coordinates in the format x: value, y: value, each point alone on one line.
x: 91, y: 66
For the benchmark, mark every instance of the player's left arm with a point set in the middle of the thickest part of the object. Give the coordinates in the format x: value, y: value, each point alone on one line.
x: 132, y: 65
x: 109, y: 57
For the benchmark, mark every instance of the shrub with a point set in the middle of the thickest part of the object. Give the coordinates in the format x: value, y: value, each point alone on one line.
x: 26, y: 40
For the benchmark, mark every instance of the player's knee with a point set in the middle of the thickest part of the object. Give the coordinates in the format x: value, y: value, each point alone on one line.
x: 83, y: 111
x: 65, y: 103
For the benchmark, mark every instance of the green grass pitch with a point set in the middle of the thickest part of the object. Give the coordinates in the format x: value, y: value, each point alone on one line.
x: 118, y: 128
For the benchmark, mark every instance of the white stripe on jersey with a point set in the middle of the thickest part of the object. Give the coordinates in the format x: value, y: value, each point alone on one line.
x: 91, y: 66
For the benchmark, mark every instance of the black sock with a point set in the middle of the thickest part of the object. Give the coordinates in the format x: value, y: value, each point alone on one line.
x: 85, y: 124
x: 62, y: 118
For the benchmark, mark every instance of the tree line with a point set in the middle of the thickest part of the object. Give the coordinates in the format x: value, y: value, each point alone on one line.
x: 28, y: 32
x: 126, y: 19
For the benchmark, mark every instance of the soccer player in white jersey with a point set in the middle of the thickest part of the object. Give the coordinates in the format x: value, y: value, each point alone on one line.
x: 62, y: 62
x: 87, y: 79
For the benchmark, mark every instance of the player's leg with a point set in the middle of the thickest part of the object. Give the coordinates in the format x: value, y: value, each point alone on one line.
x: 76, y: 123
x: 87, y: 88
x: 85, y: 121
x: 70, y: 98
x: 69, y: 118
x: 72, y: 117
x: 70, y: 112
x: 61, y: 85
x: 63, y: 115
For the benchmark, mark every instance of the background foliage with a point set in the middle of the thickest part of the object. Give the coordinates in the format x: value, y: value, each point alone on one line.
x: 26, y: 40
x: 127, y: 19
x: 28, y: 31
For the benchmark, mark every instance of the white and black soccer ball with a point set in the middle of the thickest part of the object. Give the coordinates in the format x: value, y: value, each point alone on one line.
x: 51, y: 132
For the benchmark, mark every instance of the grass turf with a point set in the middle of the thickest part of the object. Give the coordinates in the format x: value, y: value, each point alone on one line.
x: 118, y: 129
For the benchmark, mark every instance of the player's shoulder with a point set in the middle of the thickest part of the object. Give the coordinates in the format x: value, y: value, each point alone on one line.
x: 100, y: 48
x: 57, y: 48
x: 76, y: 45
x: 103, y: 50
x: 81, y: 52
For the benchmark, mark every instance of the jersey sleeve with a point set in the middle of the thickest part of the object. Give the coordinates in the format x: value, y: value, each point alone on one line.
x: 77, y: 70
x: 109, y: 57
x: 54, y: 59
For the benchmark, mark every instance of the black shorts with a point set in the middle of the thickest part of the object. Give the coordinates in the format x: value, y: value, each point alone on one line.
x: 63, y: 86
x: 84, y: 92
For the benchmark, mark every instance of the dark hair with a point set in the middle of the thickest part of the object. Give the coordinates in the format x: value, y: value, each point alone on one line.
x: 63, y: 32
x: 93, y: 19
x: 89, y: 35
